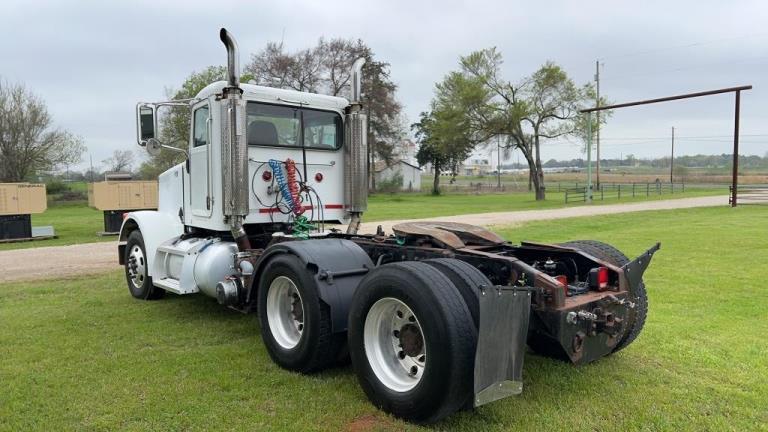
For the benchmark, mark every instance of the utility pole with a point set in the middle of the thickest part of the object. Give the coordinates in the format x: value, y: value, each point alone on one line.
x: 597, y: 116
x: 672, y: 158
x: 498, y: 161
x: 91, y: 156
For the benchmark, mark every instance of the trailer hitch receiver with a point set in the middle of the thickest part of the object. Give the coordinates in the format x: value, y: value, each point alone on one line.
x: 504, y: 314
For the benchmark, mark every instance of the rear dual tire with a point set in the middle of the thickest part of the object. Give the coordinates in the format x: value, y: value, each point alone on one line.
x: 412, y: 341
x: 295, y: 323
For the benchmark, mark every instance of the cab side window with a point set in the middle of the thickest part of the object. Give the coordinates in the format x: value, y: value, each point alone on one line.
x: 200, y: 134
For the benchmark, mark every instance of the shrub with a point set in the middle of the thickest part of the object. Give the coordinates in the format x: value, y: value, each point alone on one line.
x: 55, y: 187
x: 391, y: 185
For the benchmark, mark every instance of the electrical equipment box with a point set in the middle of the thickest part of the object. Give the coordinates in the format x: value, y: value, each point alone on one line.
x: 22, y: 198
x: 123, y: 195
x: 17, y: 202
x: 115, y: 198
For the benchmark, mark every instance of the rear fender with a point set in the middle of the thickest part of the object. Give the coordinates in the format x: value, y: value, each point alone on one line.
x: 337, y: 265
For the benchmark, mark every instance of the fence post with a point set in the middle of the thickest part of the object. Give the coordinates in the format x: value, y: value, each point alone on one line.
x: 647, y: 189
x: 619, y: 191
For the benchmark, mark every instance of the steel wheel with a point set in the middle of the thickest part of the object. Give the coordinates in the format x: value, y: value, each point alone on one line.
x: 285, y: 312
x: 394, y: 344
x: 137, y: 268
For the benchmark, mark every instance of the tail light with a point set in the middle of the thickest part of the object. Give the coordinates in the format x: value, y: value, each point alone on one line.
x: 266, y: 176
x: 598, y: 278
x: 564, y: 282
x: 319, y: 177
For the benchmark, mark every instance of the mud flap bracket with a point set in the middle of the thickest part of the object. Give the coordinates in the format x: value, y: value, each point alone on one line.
x: 633, y: 270
x: 504, y: 315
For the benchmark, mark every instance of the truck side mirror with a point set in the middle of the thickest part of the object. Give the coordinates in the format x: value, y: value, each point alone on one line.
x: 146, y: 123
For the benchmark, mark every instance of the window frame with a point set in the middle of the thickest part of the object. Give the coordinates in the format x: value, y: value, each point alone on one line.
x: 340, y: 129
x: 207, y: 123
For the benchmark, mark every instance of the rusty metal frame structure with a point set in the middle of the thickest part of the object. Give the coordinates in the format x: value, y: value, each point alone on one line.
x: 737, y: 114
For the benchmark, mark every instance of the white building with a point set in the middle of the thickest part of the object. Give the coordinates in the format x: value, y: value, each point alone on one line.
x: 411, y: 174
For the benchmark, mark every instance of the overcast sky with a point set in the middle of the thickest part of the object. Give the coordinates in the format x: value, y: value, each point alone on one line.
x: 92, y: 61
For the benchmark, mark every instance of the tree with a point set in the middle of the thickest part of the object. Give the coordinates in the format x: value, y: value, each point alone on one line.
x: 120, y: 161
x: 542, y: 106
x: 439, y: 143
x: 29, y: 144
x: 175, y: 121
x: 325, y: 68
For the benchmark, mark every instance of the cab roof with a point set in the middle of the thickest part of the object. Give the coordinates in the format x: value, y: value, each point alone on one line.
x: 279, y: 96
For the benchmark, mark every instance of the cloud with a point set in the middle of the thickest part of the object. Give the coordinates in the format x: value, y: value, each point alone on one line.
x: 92, y: 61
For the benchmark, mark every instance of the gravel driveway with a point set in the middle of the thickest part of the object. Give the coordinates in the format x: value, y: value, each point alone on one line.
x: 90, y: 258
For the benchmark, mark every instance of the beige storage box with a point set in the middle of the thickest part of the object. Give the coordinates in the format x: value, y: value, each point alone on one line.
x: 123, y: 195
x: 22, y: 198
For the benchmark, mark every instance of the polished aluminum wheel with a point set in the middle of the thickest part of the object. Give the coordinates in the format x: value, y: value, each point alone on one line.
x: 285, y: 312
x: 137, y: 267
x: 394, y: 344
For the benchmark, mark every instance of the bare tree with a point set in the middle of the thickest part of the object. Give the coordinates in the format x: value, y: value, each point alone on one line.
x: 29, y: 143
x: 120, y: 161
x: 325, y: 68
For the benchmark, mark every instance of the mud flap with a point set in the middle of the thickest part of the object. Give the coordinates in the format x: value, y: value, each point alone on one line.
x: 633, y: 270
x: 504, y: 314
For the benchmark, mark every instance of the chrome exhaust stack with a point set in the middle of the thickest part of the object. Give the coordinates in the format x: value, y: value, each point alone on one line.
x: 234, y: 149
x: 356, y: 152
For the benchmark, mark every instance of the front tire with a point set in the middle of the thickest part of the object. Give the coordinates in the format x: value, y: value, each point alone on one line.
x: 137, y: 269
x: 412, y: 342
x: 295, y: 323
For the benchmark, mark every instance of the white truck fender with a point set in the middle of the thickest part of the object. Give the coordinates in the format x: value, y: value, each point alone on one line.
x: 155, y: 227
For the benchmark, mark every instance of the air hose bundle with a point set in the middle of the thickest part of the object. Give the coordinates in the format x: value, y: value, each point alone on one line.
x: 290, y: 190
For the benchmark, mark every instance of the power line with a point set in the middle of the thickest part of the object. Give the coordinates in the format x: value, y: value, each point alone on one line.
x: 690, y: 45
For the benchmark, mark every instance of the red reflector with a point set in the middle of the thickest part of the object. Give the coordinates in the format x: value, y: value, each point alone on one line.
x: 563, y: 280
x: 319, y: 177
x: 602, y: 278
x: 266, y: 176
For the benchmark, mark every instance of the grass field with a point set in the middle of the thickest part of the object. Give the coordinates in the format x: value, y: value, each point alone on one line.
x: 83, y: 355
x: 76, y: 223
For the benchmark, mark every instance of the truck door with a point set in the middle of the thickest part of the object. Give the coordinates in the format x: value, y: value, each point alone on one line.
x: 199, y: 163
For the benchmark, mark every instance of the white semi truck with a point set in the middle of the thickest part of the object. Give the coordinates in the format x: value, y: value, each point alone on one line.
x: 435, y: 316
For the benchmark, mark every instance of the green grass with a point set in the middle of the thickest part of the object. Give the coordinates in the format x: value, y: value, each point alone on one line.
x: 83, y: 355
x: 74, y: 222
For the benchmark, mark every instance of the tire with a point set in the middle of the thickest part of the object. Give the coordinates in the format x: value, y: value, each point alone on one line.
x: 137, y: 270
x: 467, y: 279
x: 637, y: 316
x: 441, y: 357
x: 295, y: 323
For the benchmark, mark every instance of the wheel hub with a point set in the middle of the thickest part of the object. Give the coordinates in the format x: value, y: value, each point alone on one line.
x: 394, y: 344
x: 285, y: 312
x: 411, y: 340
x: 136, y: 267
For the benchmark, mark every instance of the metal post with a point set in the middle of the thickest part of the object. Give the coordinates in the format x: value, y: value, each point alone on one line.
x: 589, y: 156
x: 597, y: 116
x: 672, y: 160
x: 736, y: 149
x: 498, y: 162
